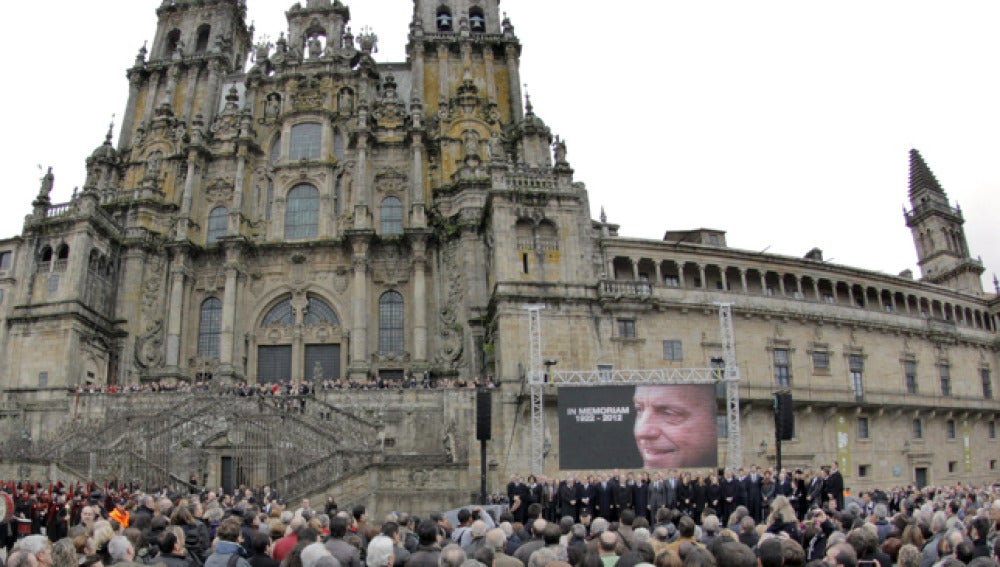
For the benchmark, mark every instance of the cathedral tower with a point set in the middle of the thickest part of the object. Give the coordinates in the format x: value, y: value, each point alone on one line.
x: 942, y: 251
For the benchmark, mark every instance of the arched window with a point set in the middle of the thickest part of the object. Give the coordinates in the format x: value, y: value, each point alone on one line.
x: 281, y: 315
x: 318, y: 312
x: 204, y: 31
x: 218, y: 221
x: 444, y: 19
x: 63, y: 252
x: 390, y: 323
x: 209, y: 329
x: 173, y: 40
x: 307, y: 141
x: 477, y: 20
x: 302, y: 212
x: 392, y: 216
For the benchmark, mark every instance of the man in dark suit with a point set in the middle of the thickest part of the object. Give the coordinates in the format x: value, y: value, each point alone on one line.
x: 835, y: 486
x: 656, y: 495
x: 604, y: 500
x: 752, y: 487
x: 586, y: 495
x: 517, y: 495
x: 568, y: 498
x: 814, y: 494
x: 671, y: 484
x: 624, y: 498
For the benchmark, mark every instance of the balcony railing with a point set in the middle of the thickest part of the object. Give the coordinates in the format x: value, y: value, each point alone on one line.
x: 626, y: 288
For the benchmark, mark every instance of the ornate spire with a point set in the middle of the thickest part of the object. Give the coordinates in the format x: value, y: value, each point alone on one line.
x: 111, y: 127
x: 604, y: 216
x: 921, y: 176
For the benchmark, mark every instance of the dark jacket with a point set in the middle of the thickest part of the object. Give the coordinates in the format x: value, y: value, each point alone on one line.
x: 425, y: 556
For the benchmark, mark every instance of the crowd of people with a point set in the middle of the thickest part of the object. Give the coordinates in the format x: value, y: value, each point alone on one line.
x: 286, y: 389
x: 614, y: 520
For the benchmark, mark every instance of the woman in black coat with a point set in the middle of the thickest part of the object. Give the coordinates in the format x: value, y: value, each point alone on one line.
x: 699, y: 496
x: 684, y: 494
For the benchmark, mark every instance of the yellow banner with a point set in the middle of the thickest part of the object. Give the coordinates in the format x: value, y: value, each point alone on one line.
x: 844, y: 445
x: 967, y: 445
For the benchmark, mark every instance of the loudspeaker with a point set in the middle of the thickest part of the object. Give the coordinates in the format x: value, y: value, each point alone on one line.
x: 784, y: 417
x: 484, y: 415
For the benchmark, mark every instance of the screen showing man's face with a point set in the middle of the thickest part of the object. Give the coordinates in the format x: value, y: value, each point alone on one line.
x: 675, y: 425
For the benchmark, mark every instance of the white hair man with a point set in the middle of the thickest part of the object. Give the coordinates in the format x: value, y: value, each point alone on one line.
x: 380, y: 552
x: 39, y: 547
x: 312, y: 553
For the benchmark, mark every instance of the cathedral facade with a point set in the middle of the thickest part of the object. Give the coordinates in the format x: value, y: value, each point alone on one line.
x: 317, y: 216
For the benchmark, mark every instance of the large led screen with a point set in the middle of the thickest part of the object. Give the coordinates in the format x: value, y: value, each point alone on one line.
x: 633, y: 427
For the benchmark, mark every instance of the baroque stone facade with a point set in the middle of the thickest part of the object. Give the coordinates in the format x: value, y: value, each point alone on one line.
x: 320, y: 216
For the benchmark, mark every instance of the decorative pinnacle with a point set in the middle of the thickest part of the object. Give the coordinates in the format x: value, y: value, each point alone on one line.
x: 111, y: 127
x: 921, y: 176
x: 529, y: 110
x: 604, y: 216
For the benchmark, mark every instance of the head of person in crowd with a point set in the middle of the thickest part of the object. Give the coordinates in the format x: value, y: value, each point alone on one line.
x: 120, y: 549
x: 451, y: 556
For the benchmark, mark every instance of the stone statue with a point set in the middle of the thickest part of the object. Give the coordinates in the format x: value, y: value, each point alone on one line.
x: 315, y: 47
x: 559, y: 150
x: 273, y: 107
x: 47, y: 181
x: 471, y: 143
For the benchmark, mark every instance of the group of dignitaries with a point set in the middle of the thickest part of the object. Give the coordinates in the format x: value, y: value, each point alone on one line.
x: 607, y: 496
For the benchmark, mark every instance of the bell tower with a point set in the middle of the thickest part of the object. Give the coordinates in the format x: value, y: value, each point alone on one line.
x: 942, y: 251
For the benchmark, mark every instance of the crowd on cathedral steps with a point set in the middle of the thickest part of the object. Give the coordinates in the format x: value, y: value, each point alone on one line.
x: 667, y: 519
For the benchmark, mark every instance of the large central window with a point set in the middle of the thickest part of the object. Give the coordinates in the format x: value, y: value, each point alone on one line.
x: 209, y: 329
x: 307, y: 141
x: 390, y: 323
x: 302, y: 212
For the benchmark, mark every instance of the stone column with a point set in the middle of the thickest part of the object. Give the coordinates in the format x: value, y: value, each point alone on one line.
x: 189, y: 94
x: 362, y: 202
x: 418, y: 217
x: 816, y: 289
x: 680, y: 274
x: 781, y: 284
x: 635, y: 270
x: 359, y: 296
x: 723, y: 279
x: 233, y: 228
x: 184, y: 218
x: 798, y: 287
x: 151, y: 91
x: 175, y: 309
x: 229, y: 307
x: 763, y: 283
x: 743, y: 280
x: 419, y: 302
x: 442, y: 54
x: 514, y: 74
x: 701, y: 274
x: 491, y: 91
x: 657, y: 273
x: 128, y: 121
x: 850, y: 295
x: 211, y: 94
x: 417, y: 87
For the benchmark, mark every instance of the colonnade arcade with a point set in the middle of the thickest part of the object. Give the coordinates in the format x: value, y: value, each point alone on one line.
x: 805, y: 287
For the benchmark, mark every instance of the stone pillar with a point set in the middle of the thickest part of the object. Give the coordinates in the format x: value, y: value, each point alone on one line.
x: 491, y: 91
x: 419, y: 303
x: 359, y: 327
x: 236, y: 213
x: 816, y: 289
x: 635, y: 270
x: 657, y: 273
x: 417, y: 87
x: 212, y: 91
x: 723, y: 279
x: 701, y: 274
x: 743, y: 280
x: 798, y: 288
x: 362, y: 201
x: 763, y: 283
x: 128, y: 121
x: 175, y: 309
x: 442, y: 55
x: 781, y: 284
x: 184, y: 218
x: 850, y: 295
x: 151, y: 91
x: 514, y: 75
x: 189, y: 94
x: 680, y: 274
x: 417, y: 214
x: 229, y: 307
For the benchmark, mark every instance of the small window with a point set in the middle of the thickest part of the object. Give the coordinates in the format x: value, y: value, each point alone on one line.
x: 524, y: 262
x: 945, y: 374
x: 856, y: 363
x: 218, y: 221
x: 626, y: 328
x: 5, y: 260
x: 984, y: 375
x: 991, y: 429
x: 43, y: 379
x: 307, y: 141
x: 782, y: 369
x: 918, y: 429
x: 53, y: 284
x: 952, y: 466
x: 910, y: 375
x: 993, y: 464
x: 672, y: 350
x: 392, y: 216
x: 863, y: 428
x: 950, y: 429
x: 821, y: 360
x: 864, y: 470
x: 204, y: 32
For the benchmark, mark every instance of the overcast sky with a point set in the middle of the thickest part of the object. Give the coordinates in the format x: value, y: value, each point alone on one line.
x: 785, y: 123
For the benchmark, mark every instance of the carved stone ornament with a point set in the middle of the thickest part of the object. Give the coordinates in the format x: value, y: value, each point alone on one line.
x: 220, y: 191
x: 309, y: 95
x: 389, y: 182
x: 390, y: 267
x: 149, y: 346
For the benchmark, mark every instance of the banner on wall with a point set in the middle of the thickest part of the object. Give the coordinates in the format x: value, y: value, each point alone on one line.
x: 843, y: 445
x: 967, y: 445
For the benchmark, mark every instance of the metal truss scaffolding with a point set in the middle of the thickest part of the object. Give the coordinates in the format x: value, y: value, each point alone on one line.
x: 730, y: 376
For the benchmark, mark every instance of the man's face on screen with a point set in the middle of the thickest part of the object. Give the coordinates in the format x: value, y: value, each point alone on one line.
x: 675, y: 425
